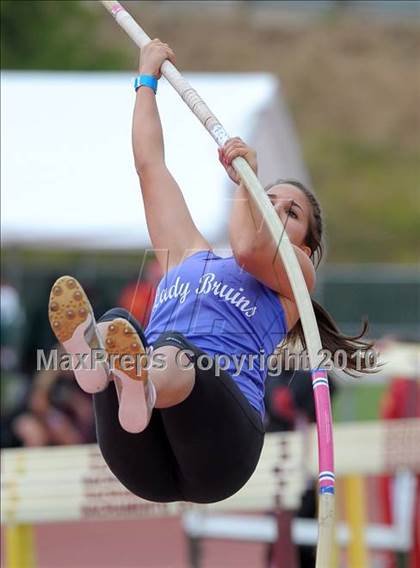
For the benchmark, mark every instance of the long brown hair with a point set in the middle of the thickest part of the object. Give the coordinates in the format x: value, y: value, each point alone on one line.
x: 332, y: 338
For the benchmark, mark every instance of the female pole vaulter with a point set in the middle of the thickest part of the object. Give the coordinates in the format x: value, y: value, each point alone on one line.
x: 188, y: 428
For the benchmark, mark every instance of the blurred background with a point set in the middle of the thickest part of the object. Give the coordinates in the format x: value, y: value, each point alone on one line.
x: 349, y: 78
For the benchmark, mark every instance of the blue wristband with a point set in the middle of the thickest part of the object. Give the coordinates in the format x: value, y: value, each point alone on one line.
x: 145, y: 81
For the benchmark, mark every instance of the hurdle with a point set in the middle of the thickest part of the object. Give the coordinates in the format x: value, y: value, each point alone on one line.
x: 73, y: 483
x: 199, y: 526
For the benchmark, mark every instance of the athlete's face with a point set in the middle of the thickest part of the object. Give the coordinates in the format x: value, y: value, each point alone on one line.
x: 294, y: 211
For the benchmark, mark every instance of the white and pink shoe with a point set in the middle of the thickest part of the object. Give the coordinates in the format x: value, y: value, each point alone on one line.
x: 136, y: 394
x: 98, y: 352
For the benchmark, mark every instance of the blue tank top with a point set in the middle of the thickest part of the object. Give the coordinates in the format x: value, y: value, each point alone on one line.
x: 225, y: 311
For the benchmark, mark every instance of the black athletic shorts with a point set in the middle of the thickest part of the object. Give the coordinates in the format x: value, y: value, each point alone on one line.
x: 201, y: 450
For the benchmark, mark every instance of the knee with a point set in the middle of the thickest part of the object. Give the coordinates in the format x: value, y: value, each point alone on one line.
x: 125, y: 314
x: 115, y: 313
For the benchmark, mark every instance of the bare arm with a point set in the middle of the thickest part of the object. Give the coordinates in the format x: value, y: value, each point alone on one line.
x: 171, y: 227
x: 252, y: 243
x: 255, y: 249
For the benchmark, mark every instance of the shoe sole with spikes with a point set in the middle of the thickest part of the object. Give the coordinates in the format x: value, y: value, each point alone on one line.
x: 73, y: 323
x: 128, y: 361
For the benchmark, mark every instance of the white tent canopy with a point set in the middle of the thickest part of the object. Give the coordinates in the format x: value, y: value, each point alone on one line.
x: 68, y: 179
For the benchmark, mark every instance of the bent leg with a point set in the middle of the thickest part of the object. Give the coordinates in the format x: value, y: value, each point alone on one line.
x: 215, y: 434
x: 204, y: 449
x: 144, y: 463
